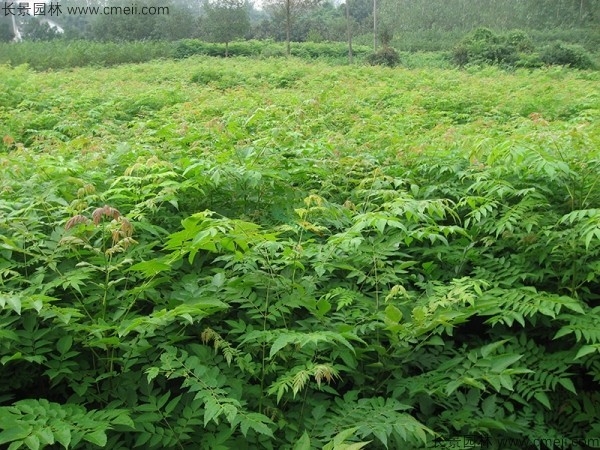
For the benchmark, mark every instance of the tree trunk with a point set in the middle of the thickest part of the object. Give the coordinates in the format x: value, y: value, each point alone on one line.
x: 226, y: 49
x: 349, y: 32
x: 374, y: 25
x: 15, y: 29
x: 288, y: 25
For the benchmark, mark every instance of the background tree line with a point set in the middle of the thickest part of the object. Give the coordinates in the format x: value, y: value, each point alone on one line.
x: 314, y: 20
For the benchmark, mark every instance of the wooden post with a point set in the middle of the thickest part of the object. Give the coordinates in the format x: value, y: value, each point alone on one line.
x: 374, y: 25
x: 349, y: 32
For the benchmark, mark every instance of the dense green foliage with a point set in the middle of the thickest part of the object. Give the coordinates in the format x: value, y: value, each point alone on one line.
x: 225, y: 21
x: 61, y: 54
x: 336, y: 51
x: 66, y: 54
x: 418, y: 25
x: 386, y: 56
x: 351, y: 254
x: 557, y: 32
x: 438, y: 40
x: 567, y: 55
x: 419, y: 15
x: 483, y: 46
x: 176, y: 22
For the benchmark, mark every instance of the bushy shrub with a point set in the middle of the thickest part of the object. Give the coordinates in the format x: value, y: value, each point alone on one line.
x: 60, y: 54
x: 460, y: 55
x: 387, y: 56
x: 571, y: 55
x: 516, y: 49
x: 529, y: 61
x: 520, y: 41
x: 483, y: 46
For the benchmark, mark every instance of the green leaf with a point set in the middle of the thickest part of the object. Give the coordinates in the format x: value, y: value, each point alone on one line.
x: 97, y: 437
x: 586, y: 350
x: 172, y: 405
x: 488, y: 406
x: 343, y: 435
x: 62, y: 433
x: 492, y: 424
x: 14, y: 302
x: 160, y: 402
x: 152, y: 373
x: 382, y: 435
x: 219, y: 279
x: 257, y: 422
x: 303, y: 443
x: 393, y: 314
x: 453, y: 386
x: 212, y: 410
x: 562, y: 332
x: 567, y: 384
x: 280, y: 343
x: 543, y: 399
x: 323, y: 307
x: 32, y: 442
x: 470, y: 381
x: 501, y: 362
x: 14, y: 357
x: 156, y: 438
x: 124, y: 420
x: 64, y: 344
x: 230, y: 412
x: 353, y: 446
x: 46, y: 436
x: 589, y: 236
x: 486, y: 350
x: 506, y: 382
x: 435, y: 340
x: 150, y: 268
x: 15, y: 432
x: 419, y: 313
x: 142, y: 439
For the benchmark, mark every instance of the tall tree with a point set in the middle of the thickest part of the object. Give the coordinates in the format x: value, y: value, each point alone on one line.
x: 374, y: 25
x: 349, y: 31
x: 9, y: 21
x: 171, y: 23
x: 290, y: 9
x: 226, y: 20
x: 6, y: 24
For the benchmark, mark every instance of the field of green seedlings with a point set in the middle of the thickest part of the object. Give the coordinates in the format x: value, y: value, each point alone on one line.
x: 244, y: 254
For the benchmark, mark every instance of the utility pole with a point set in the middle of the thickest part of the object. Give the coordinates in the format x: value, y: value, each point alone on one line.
x: 349, y: 31
x: 374, y: 25
x: 288, y: 26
